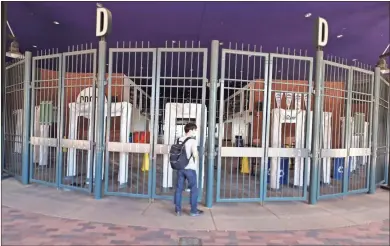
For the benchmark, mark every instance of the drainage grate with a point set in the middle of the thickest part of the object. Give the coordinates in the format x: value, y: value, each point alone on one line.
x: 193, y: 241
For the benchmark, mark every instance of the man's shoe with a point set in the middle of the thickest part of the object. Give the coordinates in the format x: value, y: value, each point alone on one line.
x: 197, y: 213
x: 178, y: 213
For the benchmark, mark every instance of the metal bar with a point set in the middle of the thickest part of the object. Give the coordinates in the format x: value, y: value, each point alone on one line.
x: 375, y: 119
x: 335, y: 64
x: 288, y: 152
x: 52, y: 142
x: 188, y: 50
x: 242, y: 152
x: 359, y: 152
x: 296, y: 57
x: 348, y: 132
x: 100, y: 119
x: 3, y: 79
x: 212, y: 121
x: 80, y: 52
x: 128, y: 147
x: 132, y: 50
x: 387, y: 165
x: 316, y: 126
x: 26, y: 117
x: 245, y: 53
x: 331, y: 153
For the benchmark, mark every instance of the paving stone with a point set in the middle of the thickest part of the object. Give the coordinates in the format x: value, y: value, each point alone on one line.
x: 26, y: 228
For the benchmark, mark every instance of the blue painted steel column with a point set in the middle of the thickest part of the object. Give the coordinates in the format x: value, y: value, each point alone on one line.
x: 374, y: 145
x: 212, y: 122
x: 317, y: 111
x: 3, y: 50
x: 100, y: 118
x: 26, y: 117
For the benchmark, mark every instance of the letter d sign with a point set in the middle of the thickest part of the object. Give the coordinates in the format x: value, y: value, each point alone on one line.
x: 321, y: 32
x: 103, y: 22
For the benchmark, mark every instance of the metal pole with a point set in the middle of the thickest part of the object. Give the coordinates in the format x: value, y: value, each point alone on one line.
x: 374, y: 145
x: 26, y: 117
x: 3, y: 50
x: 100, y: 118
x: 316, y: 126
x: 212, y: 122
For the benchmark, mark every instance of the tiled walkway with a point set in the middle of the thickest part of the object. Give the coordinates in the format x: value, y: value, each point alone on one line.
x: 35, y: 215
x: 24, y: 228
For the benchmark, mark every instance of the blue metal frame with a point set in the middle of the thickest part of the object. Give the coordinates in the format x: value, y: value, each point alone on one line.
x: 61, y: 96
x: 304, y: 196
x: 157, y: 107
x: 221, y: 112
x: 32, y: 117
x: 153, y: 51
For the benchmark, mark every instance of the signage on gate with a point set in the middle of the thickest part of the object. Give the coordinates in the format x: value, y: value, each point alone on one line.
x: 322, y: 32
x: 103, y: 22
x: 85, y: 96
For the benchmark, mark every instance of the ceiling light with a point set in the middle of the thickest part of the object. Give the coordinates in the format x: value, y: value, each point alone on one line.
x: 307, y: 15
x: 354, y: 60
x: 34, y: 46
x: 340, y: 36
x: 56, y: 22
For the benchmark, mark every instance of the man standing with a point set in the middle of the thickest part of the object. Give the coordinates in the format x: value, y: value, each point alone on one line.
x: 189, y: 172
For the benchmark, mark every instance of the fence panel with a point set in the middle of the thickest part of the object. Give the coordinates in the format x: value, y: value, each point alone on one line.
x: 180, y: 98
x: 241, y: 127
x: 382, y: 164
x: 14, y: 118
x: 288, y: 126
x: 77, y: 118
x: 130, y: 121
x: 45, y: 118
x: 334, y: 152
x: 361, y: 129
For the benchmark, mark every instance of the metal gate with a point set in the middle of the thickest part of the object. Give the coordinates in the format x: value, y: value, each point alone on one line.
x: 383, y: 152
x: 180, y: 98
x: 130, y: 121
x: 76, y: 127
x: 13, y: 113
x: 345, y: 139
x: 263, y: 126
x: 289, y: 118
x: 45, y: 117
x: 241, y: 128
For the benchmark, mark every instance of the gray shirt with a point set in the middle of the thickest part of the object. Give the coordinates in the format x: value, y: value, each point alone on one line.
x: 191, y: 148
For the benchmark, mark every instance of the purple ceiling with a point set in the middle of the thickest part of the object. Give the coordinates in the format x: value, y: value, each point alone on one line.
x: 364, y: 25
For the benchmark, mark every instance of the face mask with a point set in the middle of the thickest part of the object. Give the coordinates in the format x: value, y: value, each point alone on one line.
x: 194, y: 133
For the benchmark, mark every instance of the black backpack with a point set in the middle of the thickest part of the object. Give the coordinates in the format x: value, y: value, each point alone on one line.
x: 178, y: 156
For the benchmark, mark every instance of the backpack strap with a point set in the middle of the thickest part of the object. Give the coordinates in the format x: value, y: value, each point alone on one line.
x: 184, y: 142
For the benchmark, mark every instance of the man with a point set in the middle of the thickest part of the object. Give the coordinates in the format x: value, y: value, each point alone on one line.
x: 189, y: 172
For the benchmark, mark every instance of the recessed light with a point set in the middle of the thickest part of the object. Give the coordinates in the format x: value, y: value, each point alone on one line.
x: 340, y: 36
x: 307, y: 15
x: 34, y: 46
x: 56, y: 22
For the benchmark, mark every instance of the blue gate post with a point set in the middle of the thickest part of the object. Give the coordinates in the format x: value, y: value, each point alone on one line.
x: 321, y: 31
x: 26, y: 117
x: 103, y: 23
x: 3, y: 50
x: 212, y: 122
x: 374, y: 144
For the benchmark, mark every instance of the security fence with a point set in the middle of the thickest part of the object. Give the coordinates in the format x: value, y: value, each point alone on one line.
x: 72, y: 125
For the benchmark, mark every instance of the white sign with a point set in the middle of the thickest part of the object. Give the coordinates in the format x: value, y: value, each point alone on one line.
x: 103, y: 22
x: 322, y: 32
x: 85, y: 96
x: 305, y: 100
x: 298, y: 101
x: 289, y: 97
x: 278, y: 98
